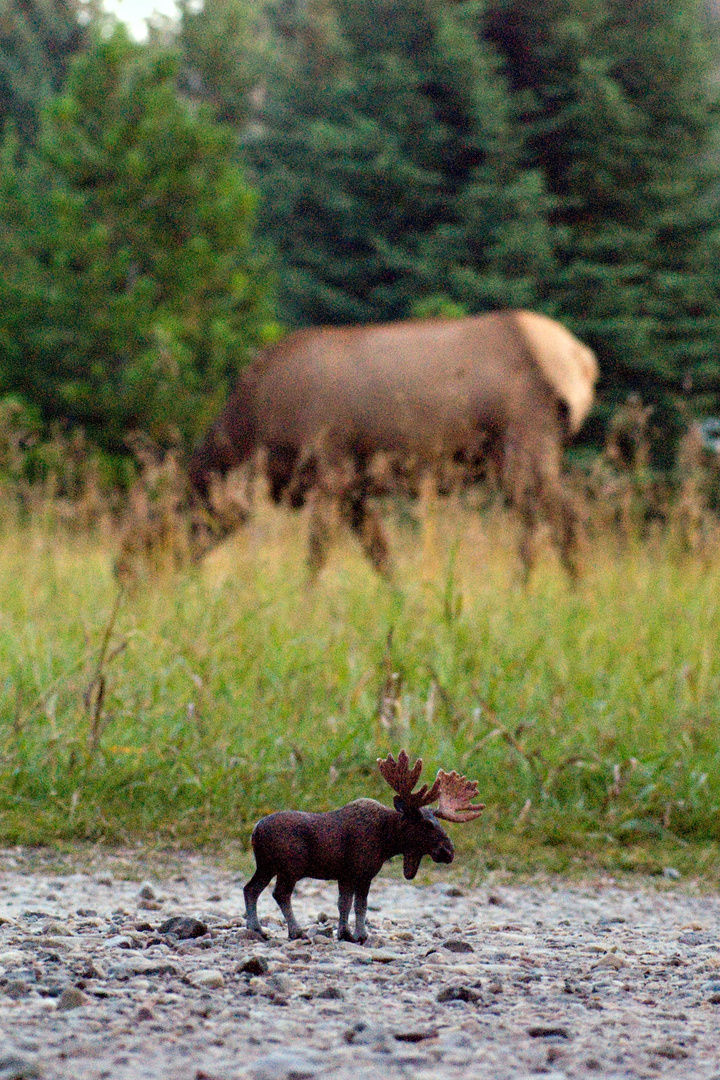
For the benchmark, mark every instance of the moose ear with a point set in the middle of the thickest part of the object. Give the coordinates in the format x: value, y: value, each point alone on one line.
x: 400, y: 805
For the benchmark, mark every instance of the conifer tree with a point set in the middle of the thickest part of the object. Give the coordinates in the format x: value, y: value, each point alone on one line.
x: 663, y: 58
x: 221, y: 45
x: 616, y: 104
x: 37, y: 40
x: 128, y: 239
x: 388, y: 166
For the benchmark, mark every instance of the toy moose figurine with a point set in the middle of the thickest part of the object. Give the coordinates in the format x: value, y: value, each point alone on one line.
x: 351, y: 844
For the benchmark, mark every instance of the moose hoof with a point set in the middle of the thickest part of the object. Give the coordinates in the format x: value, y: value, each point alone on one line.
x: 295, y: 933
x: 258, y: 933
x: 347, y: 935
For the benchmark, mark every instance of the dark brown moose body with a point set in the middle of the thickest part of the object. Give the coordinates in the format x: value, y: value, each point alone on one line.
x: 346, y: 413
x: 350, y: 845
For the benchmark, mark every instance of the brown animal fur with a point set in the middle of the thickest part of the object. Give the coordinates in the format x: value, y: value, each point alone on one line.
x: 350, y: 845
x: 448, y: 396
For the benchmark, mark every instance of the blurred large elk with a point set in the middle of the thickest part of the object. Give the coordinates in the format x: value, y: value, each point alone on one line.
x: 343, y: 414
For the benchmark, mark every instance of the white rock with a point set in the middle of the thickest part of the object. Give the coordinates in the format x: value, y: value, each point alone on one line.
x: 211, y: 979
x: 12, y: 956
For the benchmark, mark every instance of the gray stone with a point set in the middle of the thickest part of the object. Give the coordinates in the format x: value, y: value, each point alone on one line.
x: 330, y: 993
x: 253, y: 965
x: 72, y: 998
x: 210, y: 979
x: 284, y: 1066
x: 17, y: 1067
x: 455, y: 945
x: 459, y: 992
x: 183, y: 927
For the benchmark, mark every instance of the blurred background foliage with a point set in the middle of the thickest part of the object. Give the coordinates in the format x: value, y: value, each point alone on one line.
x: 168, y: 206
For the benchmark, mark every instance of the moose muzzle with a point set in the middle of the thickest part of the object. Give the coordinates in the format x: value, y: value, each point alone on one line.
x: 443, y: 853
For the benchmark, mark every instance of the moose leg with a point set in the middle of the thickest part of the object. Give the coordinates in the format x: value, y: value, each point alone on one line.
x: 345, y: 899
x: 259, y: 881
x: 361, y: 901
x: 283, y: 893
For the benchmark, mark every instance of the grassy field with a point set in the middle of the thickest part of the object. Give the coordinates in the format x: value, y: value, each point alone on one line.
x: 181, y: 713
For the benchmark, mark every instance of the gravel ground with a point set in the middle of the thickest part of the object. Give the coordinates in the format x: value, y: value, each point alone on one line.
x: 591, y: 980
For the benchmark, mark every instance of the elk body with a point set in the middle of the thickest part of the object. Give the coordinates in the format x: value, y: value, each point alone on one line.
x: 326, y: 405
x: 350, y: 845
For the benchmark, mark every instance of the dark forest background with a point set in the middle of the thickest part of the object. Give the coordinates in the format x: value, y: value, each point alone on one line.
x: 166, y: 207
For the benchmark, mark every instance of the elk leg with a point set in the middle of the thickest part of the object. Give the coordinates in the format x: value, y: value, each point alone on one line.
x: 365, y: 523
x: 283, y: 893
x: 345, y: 900
x: 528, y: 539
x: 259, y: 881
x: 519, y: 484
x: 320, y: 534
x: 558, y: 507
x: 563, y: 518
x: 361, y: 901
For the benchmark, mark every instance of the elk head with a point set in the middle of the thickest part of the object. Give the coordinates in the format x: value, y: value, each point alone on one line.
x: 421, y: 832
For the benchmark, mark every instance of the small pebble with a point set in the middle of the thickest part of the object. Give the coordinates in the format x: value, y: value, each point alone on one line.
x: 253, y: 965
x: 457, y: 946
x: 16, y: 1067
x: 72, y: 998
x: 212, y: 979
x: 459, y: 993
x: 284, y: 1066
x: 183, y: 927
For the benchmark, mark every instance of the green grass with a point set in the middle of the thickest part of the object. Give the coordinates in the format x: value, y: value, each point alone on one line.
x: 590, y: 717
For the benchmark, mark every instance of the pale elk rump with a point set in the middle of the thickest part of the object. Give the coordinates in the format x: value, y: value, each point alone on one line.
x: 568, y: 365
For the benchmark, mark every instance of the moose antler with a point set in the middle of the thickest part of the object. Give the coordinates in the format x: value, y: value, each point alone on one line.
x: 455, y: 795
x: 403, y: 779
x: 453, y: 792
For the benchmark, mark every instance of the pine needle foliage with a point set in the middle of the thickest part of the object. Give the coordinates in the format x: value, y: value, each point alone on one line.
x: 127, y: 244
x: 619, y: 111
x: 37, y: 40
x: 388, y: 165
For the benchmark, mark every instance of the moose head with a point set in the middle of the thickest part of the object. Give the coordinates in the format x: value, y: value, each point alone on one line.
x: 421, y: 833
